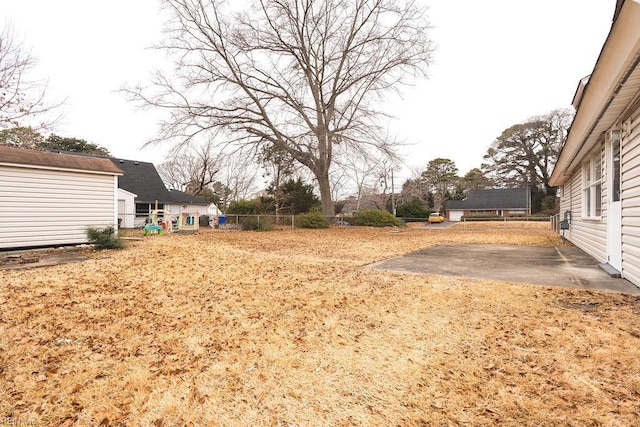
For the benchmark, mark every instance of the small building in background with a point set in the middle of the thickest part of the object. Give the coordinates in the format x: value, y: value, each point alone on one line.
x: 143, y: 180
x: 503, y: 202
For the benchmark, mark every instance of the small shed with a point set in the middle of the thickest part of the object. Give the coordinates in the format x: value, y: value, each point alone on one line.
x: 49, y: 199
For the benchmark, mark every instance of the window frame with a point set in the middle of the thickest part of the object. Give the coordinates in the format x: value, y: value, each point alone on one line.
x: 592, y: 178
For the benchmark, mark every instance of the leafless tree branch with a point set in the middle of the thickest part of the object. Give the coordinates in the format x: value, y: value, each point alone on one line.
x: 299, y: 75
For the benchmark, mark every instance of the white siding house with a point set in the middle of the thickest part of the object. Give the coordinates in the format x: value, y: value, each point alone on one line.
x: 141, y: 179
x: 598, y: 170
x: 49, y: 199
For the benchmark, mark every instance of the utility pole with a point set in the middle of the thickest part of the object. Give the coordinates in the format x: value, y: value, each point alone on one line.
x: 393, y: 196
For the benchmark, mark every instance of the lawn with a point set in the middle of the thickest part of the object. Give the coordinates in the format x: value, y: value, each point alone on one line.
x: 286, y: 328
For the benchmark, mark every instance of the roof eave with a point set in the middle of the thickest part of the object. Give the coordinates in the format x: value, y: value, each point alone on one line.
x: 603, y: 99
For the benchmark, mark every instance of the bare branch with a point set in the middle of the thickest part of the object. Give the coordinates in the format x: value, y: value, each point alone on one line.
x: 297, y: 75
x: 21, y: 98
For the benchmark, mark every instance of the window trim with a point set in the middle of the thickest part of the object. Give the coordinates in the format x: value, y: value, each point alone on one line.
x: 592, y: 187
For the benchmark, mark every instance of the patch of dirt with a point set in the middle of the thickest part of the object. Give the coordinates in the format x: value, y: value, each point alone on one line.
x: 42, y: 258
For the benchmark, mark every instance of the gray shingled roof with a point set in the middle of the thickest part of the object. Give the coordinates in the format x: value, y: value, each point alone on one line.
x: 142, y: 179
x: 184, y: 198
x: 25, y: 156
x: 502, y: 198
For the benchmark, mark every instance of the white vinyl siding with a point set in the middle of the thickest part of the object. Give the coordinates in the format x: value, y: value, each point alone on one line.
x: 630, y: 189
x: 45, y: 207
x: 587, y: 234
x: 126, y: 208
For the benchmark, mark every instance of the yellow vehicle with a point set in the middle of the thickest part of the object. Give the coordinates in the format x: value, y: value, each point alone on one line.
x: 435, y: 217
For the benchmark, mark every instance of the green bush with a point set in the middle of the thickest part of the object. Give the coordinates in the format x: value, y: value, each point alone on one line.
x: 104, y: 238
x: 313, y: 219
x: 413, y: 209
x: 256, y: 223
x: 375, y: 218
x: 245, y: 207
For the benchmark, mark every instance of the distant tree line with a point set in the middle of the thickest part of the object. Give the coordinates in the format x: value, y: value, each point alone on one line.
x: 27, y: 137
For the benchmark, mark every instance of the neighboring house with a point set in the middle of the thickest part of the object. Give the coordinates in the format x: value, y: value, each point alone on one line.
x: 503, y: 202
x: 598, y: 169
x: 49, y: 199
x: 142, y: 180
x: 183, y: 202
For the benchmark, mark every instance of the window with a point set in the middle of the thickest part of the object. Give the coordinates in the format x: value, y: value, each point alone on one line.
x: 615, y: 196
x: 142, y: 209
x: 482, y: 212
x: 592, y: 187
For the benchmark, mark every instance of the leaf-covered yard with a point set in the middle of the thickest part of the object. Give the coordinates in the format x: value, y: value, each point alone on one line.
x: 286, y: 328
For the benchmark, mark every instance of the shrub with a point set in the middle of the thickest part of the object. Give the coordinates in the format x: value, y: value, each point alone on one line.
x: 413, y: 209
x: 256, y: 223
x: 245, y: 207
x: 375, y: 218
x: 104, y: 238
x: 313, y: 219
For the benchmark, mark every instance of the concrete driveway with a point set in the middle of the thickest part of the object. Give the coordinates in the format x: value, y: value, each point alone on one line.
x: 552, y: 266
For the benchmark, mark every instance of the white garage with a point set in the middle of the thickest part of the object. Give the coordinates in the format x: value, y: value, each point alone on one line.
x: 455, y: 215
x: 49, y: 199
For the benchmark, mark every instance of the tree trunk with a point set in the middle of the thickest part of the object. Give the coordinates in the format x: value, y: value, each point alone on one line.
x: 328, y: 208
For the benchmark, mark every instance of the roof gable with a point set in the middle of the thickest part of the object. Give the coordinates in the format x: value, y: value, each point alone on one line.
x: 143, y: 179
x: 26, y: 157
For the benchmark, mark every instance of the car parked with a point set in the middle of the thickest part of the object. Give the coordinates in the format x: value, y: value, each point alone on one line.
x: 435, y: 217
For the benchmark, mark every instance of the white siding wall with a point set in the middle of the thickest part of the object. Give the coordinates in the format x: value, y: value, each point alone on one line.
x: 177, y: 209
x: 40, y: 207
x: 127, y: 214
x: 630, y: 196
x: 587, y: 234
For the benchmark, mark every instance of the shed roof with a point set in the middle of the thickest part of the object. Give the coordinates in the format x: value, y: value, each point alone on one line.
x: 500, y: 198
x: 47, y: 159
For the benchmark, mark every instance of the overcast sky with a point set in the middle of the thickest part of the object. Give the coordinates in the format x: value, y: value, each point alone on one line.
x: 497, y: 63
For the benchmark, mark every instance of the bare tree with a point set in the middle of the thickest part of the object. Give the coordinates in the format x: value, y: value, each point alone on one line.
x: 280, y: 166
x: 298, y: 75
x: 236, y: 178
x: 192, y: 169
x: 21, y: 97
x: 414, y: 188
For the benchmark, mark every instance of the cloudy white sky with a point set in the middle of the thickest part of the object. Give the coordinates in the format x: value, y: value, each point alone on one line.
x: 497, y: 63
